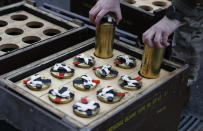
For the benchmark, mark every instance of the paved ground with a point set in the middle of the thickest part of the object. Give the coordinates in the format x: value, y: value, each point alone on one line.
x: 195, y: 105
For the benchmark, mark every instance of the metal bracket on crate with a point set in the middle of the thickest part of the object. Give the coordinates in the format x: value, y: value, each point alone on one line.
x: 78, y: 22
x: 129, y: 38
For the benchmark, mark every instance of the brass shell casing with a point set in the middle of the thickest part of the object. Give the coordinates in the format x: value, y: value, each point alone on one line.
x: 104, y: 40
x: 151, y: 62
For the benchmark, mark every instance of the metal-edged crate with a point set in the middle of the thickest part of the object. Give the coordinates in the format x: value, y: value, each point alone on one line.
x: 145, y: 13
x: 156, y: 106
x: 24, y: 27
x: 81, y: 20
x: 150, y: 6
x: 54, y: 8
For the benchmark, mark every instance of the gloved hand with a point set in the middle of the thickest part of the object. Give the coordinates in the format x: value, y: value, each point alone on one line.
x: 102, y: 7
x: 157, y: 35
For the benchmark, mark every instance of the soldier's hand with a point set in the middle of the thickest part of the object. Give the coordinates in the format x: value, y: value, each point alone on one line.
x: 157, y: 35
x: 102, y: 7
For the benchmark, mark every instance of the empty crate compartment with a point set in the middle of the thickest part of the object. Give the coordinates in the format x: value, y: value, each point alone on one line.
x: 150, y: 5
x: 24, y: 25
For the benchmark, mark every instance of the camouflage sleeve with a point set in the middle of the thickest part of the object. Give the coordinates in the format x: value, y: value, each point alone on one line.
x: 187, y: 7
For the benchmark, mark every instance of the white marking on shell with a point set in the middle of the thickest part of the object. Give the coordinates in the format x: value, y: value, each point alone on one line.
x: 56, y: 67
x: 89, y: 80
x: 65, y: 94
x: 84, y: 107
x: 127, y: 59
x: 106, y: 68
x: 86, y: 58
x: 34, y: 77
x: 33, y: 82
x: 128, y: 80
x: 104, y: 93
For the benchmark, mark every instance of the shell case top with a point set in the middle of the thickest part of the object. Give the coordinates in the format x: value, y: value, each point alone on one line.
x: 63, y: 93
x: 124, y: 59
x: 62, y: 69
x: 86, y: 106
x: 36, y: 81
x: 109, y: 93
x: 83, y: 59
x: 86, y: 81
x: 128, y: 81
x: 105, y: 70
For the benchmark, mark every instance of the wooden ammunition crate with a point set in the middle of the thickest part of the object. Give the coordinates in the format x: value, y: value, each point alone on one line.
x: 24, y: 27
x: 145, y: 12
x: 156, y: 106
x: 149, y: 5
x: 138, y: 15
x: 81, y: 20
